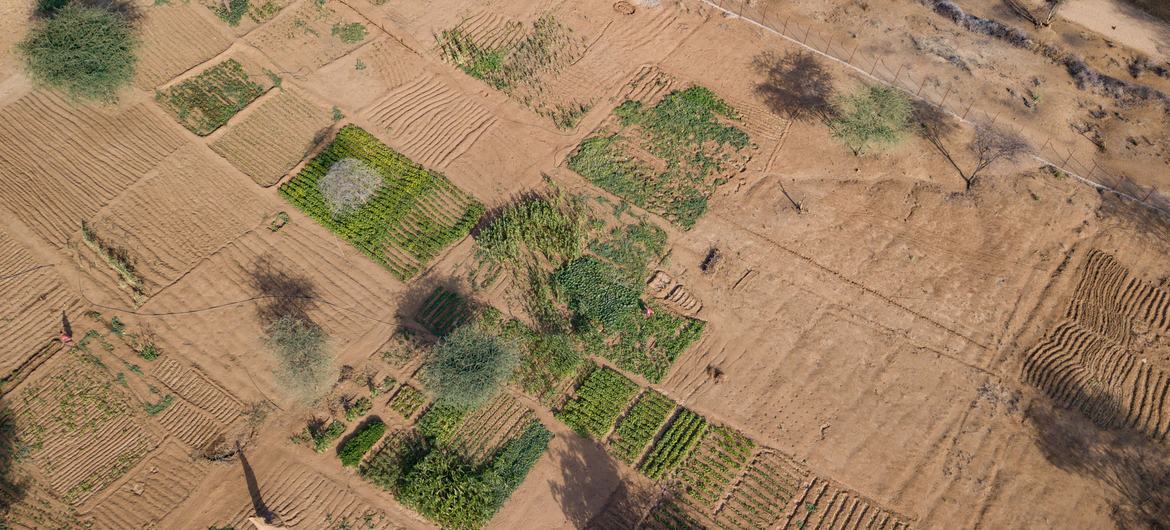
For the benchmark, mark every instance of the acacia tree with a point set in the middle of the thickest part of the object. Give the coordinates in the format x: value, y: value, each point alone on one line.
x: 878, y: 114
x: 469, y: 366
x: 85, y: 51
x: 990, y: 143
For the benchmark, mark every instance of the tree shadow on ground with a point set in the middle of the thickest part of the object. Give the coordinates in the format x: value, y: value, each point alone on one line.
x: 795, y: 85
x: 588, y: 475
x: 258, y: 504
x: 1135, y: 467
x: 281, y: 293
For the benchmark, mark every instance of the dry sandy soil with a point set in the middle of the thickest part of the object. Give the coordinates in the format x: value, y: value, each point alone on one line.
x: 901, y: 351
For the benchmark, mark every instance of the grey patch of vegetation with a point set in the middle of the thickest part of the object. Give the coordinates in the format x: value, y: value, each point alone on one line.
x: 469, y: 366
x: 305, y: 362
x: 348, y: 185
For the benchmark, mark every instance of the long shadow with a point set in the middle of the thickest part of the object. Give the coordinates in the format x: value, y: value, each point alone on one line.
x: 258, y: 505
x: 588, y: 476
x: 284, y: 294
x: 1134, y: 467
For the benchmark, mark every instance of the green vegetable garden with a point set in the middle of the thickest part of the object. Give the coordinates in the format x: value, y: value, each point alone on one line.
x: 600, y: 399
x: 639, y: 425
x: 414, y: 215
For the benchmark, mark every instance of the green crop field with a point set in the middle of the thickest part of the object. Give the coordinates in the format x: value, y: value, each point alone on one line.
x: 639, y: 425
x: 414, y: 214
x: 600, y: 399
x: 676, y: 443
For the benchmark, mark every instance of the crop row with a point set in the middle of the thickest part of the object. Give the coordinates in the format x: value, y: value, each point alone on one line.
x: 600, y: 399
x: 710, y: 470
x: 676, y: 443
x: 407, y: 401
x: 639, y: 426
x: 416, y: 211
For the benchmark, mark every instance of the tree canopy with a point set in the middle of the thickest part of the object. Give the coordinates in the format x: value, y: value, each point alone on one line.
x: 85, y: 51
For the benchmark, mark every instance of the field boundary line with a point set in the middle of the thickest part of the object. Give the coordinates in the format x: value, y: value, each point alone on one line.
x: 1035, y: 156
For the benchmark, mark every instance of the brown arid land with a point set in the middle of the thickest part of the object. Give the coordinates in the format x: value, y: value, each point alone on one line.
x: 887, y: 339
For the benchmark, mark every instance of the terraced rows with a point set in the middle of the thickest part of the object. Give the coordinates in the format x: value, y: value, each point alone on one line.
x: 302, y: 39
x: 826, y: 505
x: 303, y: 499
x: 407, y: 401
x: 31, y: 302
x: 81, y: 466
x: 648, y: 85
x: 491, y: 30
x: 166, y: 480
x: 717, y: 461
x: 273, y: 138
x: 61, y: 161
x: 189, y: 207
x: 1108, y: 296
x: 486, y: 428
x: 198, y: 389
x: 174, y: 39
x: 1083, y: 370
x: 189, y: 424
x: 430, y: 122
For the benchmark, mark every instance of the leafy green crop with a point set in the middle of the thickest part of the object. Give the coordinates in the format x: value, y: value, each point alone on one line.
x: 412, y: 217
x: 676, y: 443
x: 600, y: 399
x: 639, y: 425
x: 352, y: 451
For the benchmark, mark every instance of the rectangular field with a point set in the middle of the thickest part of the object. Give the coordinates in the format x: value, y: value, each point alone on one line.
x: 414, y: 214
x: 208, y: 100
x: 600, y: 400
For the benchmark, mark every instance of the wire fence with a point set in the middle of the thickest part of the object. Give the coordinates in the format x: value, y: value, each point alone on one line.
x: 1076, y: 164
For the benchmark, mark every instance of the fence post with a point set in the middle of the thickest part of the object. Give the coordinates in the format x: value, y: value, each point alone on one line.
x: 972, y: 104
x: 829, y: 46
x: 785, y: 30
x: 1065, y: 163
x: 945, y: 94
x: 850, y: 61
x: 806, y: 32
x: 920, y: 85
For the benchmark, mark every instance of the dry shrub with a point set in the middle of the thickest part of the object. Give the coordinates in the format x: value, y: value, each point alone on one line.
x: 348, y: 185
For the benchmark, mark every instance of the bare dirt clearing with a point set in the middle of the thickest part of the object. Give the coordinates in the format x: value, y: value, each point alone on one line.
x: 720, y: 315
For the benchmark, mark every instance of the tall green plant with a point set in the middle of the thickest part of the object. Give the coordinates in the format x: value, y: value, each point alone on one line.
x: 469, y: 366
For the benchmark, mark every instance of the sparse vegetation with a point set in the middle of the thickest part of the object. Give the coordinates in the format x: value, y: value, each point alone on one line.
x: 207, y: 101
x: 153, y: 409
x: 469, y: 366
x: 348, y: 186
x: 351, y: 33
x: 117, y: 258
x: 876, y: 115
x: 86, y: 51
x: 230, y: 11
x: 407, y: 401
x: 358, y: 408
x: 300, y: 347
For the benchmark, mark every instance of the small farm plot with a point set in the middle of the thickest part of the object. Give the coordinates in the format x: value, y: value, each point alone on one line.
x: 81, y: 428
x: 274, y: 137
x: 310, y: 35
x: 407, y: 401
x: 174, y: 39
x: 485, y: 429
x: 208, y: 100
x: 516, y: 60
x: 637, y: 428
x: 709, y: 470
x: 434, y: 478
x: 600, y: 399
x: 443, y: 311
x: 680, y: 438
x: 401, y: 222
x: 762, y: 496
x: 667, y: 158
x: 617, y: 325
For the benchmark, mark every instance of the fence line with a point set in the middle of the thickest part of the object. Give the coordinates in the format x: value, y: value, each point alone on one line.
x: 877, y: 70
